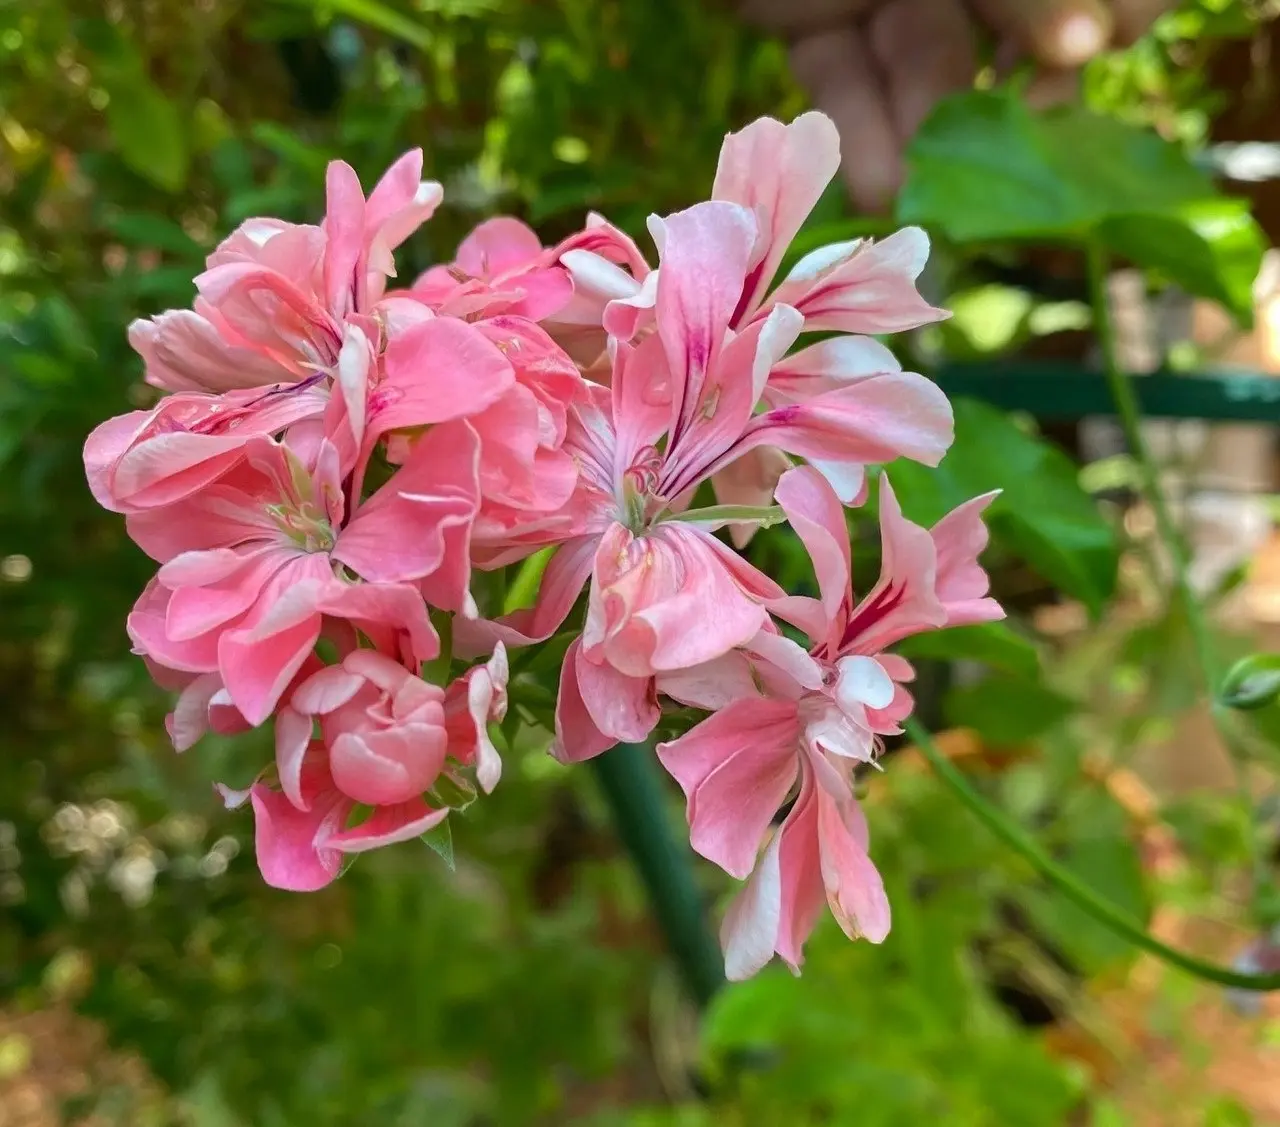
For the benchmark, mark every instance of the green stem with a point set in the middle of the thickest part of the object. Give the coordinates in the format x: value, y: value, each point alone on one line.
x: 1129, y: 411
x: 629, y: 779
x: 1067, y: 882
x: 716, y: 516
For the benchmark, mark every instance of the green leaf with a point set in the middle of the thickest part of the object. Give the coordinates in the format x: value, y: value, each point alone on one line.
x: 377, y: 15
x: 979, y: 168
x: 1211, y: 248
x: 1227, y: 1112
x: 983, y: 166
x: 439, y: 839
x: 1110, y: 865
x: 144, y: 229
x: 992, y: 643
x: 146, y: 124
x: 1007, y: 711
x: 147, y: 128
x: 523, y: 590
x: 1043, y: 515
x: 452, y: 790
x: 1253, y: 682
x: 1099, y: 851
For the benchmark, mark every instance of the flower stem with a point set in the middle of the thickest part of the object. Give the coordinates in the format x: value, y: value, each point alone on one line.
x: 629, y: 779
x: 1129, y: 411
x: 1067, y: 882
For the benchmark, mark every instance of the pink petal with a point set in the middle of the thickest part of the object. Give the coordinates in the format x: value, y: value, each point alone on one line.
x: 392, y: 615
x: 779, y: 171
x: 259, y: 658
x: 497, y: 246
x: 862, y: 287
x: 146, y: 628
x: 600, y: 237
x: 735, y: 768
x: 275, y: 313
x: 344, y: 237
x: 960, y: 538
x: 400, y: 202
x: 904, y: 601
x: 704, y: 265
x: 875, y: 420
x: 781, y: 655
x: 641, y: 399
x: 424, y: 380
x: 386, y: 766
x: 713, y: 684
x: 183, y: 351
x: 648, y: 589
x: 827, y: 365
x: 294, y: 847
x: 731, y: 390
x: 817, y: 517
x: 565, y: 575
x: 293, y: 739
x: 749, y: 932
x: 544, y: 292
x: 472, y: 701
x: 388, y: 825
x: 622, y: 706
x: 854, y: 889
x: 800, y: 876
x: 190, y: 717
x: 577, y: 736
x: 325, y: 690
x: 399, y: 533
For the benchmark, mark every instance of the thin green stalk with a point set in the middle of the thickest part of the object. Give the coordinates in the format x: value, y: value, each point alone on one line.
x: 629, y: 779
x: 1067, y: 882
x: 1129, y: 411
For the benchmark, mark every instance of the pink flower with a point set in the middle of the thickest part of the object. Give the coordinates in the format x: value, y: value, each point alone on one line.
x: 274, y: 300
x: 388, y: 741
x: 788, y: 722
x: 778, y: 172
x: 273, y: 303
x: 147, y: 459
x: 471, y: 703
x: 248, y: 562
x: 683, y: 405
x: 503, y: 268
x: 383, y: 726
x: 301, y: 846
x: 526, y: 473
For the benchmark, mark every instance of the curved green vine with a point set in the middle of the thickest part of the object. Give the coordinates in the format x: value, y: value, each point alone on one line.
x: 1067, y: 882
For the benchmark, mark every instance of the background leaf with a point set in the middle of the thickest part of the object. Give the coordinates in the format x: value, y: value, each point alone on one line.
x: 994, y: 644
x: 985, y: 167
x: 1042, y: 514
x: 1007, y: 711
x: 148, y: 130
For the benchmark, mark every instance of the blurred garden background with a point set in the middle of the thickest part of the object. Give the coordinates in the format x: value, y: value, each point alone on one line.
x: 147, y: 975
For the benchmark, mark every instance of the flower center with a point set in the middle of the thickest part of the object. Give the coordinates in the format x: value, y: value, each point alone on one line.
x: 640, y: 500
x: 305, y: 524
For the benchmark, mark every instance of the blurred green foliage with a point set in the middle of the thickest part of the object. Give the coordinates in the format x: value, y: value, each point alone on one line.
x: 528, y: 984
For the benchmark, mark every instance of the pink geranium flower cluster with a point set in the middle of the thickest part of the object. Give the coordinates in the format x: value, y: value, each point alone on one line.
x: 333, y: 464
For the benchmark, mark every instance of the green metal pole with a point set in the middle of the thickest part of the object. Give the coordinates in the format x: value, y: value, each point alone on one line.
x: 630, y: 781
